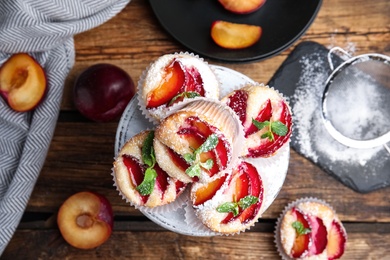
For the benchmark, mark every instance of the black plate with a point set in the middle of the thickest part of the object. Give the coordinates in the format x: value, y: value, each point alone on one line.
x: 282, y: 21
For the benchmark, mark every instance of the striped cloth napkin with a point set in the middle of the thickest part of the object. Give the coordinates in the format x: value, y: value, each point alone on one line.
x: 44, y: 29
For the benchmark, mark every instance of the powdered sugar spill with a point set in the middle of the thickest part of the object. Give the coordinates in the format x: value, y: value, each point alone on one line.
x: 310, y: 133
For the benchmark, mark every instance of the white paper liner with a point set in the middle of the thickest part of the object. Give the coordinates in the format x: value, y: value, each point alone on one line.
x: 192, y: 220
x: 277, y: 238
x: 156, y: 115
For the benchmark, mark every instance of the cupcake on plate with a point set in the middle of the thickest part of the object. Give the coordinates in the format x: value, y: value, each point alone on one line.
x: 199, y: 141
x: 173, y: 78
x: 310, y: 229
x: 265, y: 116
x: 139, y: 178
x: 232, y: 203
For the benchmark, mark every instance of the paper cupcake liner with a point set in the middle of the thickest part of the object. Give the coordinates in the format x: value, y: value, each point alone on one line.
x: 156, y: 115
x: 277, y: 238
x: 196, y: 224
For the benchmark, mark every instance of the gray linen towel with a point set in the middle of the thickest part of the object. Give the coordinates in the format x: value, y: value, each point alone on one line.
x: 44, y: 29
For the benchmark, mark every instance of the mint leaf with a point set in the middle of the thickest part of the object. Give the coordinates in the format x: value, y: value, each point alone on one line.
x: 279, y: 128
x: 260, y: 125
x: 275, y: 127
x: 186, y: 94
x: 149, y: 158
x: 234, y: 207
x: 210, y: 143
x: 247, y: 201
x: 194, y: 159
x: 147, y: 150
x: 207, y: 164
x: 190, y: 158
x: 147, y: 185
x: 228, y: 207
x: 194, y: 170
x: 268, y: 135
x: 301, y: 230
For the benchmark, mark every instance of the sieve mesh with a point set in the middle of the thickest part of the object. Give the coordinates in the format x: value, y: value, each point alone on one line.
x: 356, y: 101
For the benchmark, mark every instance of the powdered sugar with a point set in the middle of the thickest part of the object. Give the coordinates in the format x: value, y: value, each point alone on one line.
x: 310, y: 133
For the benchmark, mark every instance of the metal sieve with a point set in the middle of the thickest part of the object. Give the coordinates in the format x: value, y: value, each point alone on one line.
x: 356, y: 90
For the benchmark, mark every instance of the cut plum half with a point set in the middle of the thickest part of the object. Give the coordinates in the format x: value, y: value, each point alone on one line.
x: 23, y: 82
x: 242, y: 6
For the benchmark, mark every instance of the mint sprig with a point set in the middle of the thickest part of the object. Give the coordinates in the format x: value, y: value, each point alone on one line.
x: 194, y: 158
x: 148, y: 157
x: 300, y: 229
x: 185, y: 94
x: 274, y: 127
x: 234, y: 207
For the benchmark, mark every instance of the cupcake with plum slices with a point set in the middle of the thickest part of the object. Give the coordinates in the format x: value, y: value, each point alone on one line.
x: 173, y: 78
x: 138, y: 177
x: 232, y: 203
x: 198, y: 142
x: 310, y: 229
x: 265, y: 116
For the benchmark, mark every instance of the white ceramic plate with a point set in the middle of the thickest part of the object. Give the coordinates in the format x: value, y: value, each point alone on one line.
x: 273, y: 170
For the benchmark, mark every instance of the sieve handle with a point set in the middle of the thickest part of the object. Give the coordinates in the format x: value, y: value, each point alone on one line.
x: 330, y: 56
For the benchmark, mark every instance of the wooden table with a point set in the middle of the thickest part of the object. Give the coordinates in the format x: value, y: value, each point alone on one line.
x: 81, y: 153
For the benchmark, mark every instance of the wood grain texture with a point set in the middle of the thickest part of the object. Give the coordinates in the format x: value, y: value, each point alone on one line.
x: 81, y: 152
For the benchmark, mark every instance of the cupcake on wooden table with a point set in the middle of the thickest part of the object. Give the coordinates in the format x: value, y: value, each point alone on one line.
x: 173, y: 78
x: 310, y: 229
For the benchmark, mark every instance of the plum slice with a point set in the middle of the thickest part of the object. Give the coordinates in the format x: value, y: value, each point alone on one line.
x: 208, y: 191
x: 303, y: 236
x: 336, y: 241
x: 178, y: 81
x: 174, y: 79
x: 242, y: 6
x: 318, y: 235
x: 234, y: 35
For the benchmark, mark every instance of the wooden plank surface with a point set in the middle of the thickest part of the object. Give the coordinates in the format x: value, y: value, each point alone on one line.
x: 81, y: 153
